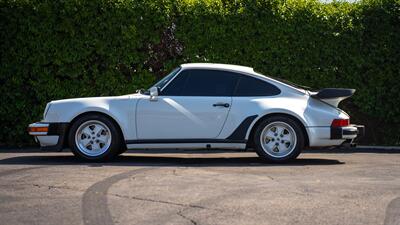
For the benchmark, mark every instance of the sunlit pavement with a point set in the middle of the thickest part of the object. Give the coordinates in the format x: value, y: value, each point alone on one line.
x: 191, y: 188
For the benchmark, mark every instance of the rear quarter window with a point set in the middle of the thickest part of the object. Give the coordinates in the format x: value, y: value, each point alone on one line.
x: 250, y: 86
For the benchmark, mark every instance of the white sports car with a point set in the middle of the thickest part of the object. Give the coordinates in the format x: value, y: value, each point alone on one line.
x: 201, y: 106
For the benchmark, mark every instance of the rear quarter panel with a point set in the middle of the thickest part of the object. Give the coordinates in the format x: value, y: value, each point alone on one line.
x: 309, y: 111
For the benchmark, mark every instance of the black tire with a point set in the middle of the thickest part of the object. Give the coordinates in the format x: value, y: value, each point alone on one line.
x: 298, y: 147
x: 114, y: 148
x: 122, y: 150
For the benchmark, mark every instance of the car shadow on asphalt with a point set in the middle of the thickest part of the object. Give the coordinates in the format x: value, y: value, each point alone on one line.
x: 164, y: 161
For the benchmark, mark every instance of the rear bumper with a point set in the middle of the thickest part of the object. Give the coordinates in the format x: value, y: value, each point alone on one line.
x: 351, y: 132
x: 51, y: 137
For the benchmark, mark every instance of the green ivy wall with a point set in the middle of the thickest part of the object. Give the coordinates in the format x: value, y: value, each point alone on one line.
x: 74, y: 48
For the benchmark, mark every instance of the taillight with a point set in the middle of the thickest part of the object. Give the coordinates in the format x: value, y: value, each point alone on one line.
x: 340, y: 123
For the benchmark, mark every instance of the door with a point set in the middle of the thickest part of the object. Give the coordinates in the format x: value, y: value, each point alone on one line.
x: 194, y: 105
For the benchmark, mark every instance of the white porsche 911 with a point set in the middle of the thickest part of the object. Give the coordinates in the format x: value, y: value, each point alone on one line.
x: 201, y: 106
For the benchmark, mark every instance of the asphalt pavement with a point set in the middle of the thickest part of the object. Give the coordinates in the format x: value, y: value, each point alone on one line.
x: 194, y: 188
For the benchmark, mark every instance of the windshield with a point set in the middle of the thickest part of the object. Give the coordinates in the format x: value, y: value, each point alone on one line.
x: 160, y: 84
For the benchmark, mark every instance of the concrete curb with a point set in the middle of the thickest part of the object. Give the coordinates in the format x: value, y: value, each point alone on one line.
x: 358, y: 149
x: 378, y: 147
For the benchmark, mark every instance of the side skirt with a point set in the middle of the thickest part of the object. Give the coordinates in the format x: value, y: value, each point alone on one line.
x: 188, y: 145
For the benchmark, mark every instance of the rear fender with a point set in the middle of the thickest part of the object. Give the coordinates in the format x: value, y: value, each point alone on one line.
x: 279, y: 111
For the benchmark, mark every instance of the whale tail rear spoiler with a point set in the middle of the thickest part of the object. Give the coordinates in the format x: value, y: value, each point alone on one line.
x: 333, y: 96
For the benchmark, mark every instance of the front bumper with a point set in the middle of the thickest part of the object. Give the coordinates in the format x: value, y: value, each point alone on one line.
x: 352, y: 132
x: 50, y: 136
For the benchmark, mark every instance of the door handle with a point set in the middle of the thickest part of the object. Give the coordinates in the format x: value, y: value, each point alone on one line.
x: 226, y: 105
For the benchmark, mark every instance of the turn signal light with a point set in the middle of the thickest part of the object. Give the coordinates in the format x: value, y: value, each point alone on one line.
x: 38, y: 129
x: 340, y: 123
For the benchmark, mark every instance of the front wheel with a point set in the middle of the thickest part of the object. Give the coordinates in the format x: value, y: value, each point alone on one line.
x: 94, y: 137
x: 278, y: 139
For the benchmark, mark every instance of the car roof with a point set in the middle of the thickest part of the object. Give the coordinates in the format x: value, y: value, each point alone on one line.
x: 229, y: 67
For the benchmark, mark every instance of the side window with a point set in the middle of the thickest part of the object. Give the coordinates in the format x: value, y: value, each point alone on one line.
x: 175, y: 87
x: 250, y: 86
x: 209, y: 83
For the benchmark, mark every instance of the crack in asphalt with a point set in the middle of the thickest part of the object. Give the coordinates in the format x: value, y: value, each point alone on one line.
x: 207, y: 201
x: 179, y: 213
x: 49, y: 187
x: 94, y: 201
x: 162, y: 201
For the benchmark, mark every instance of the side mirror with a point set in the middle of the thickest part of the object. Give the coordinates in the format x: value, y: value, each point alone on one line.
x: 153, y: 93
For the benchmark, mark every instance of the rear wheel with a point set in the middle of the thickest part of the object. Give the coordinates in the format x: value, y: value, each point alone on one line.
x: 278, y: 139
x: 94, y: 137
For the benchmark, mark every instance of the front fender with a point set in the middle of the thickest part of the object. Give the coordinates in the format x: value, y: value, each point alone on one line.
x: 120, y: 109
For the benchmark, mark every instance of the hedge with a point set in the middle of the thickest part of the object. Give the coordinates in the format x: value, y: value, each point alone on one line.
x: 62, y: 49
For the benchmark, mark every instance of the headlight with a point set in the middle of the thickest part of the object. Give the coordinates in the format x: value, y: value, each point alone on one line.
x: 46, y: 110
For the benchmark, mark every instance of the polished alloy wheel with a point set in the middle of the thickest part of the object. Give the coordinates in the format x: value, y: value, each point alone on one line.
x: 278, y: 139
x: 93, y: 138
